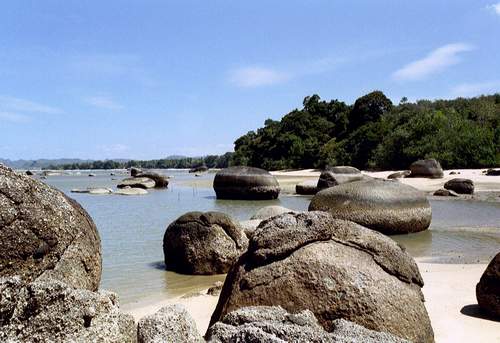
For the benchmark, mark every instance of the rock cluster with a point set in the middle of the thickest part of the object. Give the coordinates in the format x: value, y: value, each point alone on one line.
x: 246, y: 183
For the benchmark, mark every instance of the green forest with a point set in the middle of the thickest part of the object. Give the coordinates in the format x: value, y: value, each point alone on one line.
x: 375, y: 134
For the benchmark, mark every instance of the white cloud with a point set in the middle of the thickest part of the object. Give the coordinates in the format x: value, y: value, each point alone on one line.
x: 495, y: 8
x: 23, y: 105
x: 257, y: 76
x: 103, y: 102
x: 434, y: 62
x: 14, y: 117
x: 474, y: 89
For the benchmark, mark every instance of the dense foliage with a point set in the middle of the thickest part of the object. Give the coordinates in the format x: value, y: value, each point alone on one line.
x: 211, y: 161
x: 375, y: 134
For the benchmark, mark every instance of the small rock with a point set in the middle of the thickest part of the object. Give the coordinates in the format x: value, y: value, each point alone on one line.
x: 216, y: 288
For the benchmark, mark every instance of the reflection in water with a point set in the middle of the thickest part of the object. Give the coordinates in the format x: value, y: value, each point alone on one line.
x: 132, y: 228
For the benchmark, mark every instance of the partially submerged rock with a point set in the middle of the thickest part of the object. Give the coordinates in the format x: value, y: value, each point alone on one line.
x: 93, y: 190
x: 131, y: 191
x: 170, y: 324
x: 51, y: 311
x: 203, y: 243
x: 137, y: 182
x: 134, y: 171
x: 45, y: 234
x: 461, y: 186
x: 383, y: 205
x: 308, y: 187
x: 245, y: 183
x: 445, y: 193
x: 270, y: 211
x: 488, y: 288
x: 334, y: 268
x: 273, y: 324
x: 426, y: 168
x: 160, y: 181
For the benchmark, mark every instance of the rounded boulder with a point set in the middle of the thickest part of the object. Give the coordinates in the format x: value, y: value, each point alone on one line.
x: 426, y: 168
x: 245, y: 183
x: 460, y: 186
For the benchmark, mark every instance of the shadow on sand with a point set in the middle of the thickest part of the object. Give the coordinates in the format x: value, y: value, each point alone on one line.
x: 476, y: 312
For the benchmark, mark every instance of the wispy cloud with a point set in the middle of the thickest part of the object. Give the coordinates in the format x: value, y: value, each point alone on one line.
x: 476, y: 88
x: 14, y: 117
x: 495, y: 8
x: 257, y: 76
x: 103, y: 102
x: 435, y: 62
x: 23, y: 105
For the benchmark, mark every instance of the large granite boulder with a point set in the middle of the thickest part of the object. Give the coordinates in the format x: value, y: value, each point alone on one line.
x: 488, y: 288
x: 329, y: 179
x: 270, y: 211
x: 426, y: 168
x: 336, y: 269
x: 308, y: 187
x: 51, y: 311
x: 161, y: 181
x: 273, y: 324
x: 45, y: 234
x: 203, y: 243
x: 170, y: 324
x: 245, y: 183
x: 137, y: 182
x: 387, y: 206
x: 461, y: 186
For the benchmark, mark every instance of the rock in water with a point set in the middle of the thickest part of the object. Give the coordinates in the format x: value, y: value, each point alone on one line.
x: 445, y: 193
x: 270, y: 211
x: 488, y: 288
x: 245, y: 183
x: 399, y: 175
x: 383, y: 205
x: 131, y: 191
x: 160, y: 181
x: 134, y: 171
x: 203, y: 243
x: 308, y: 187
x: 51, y: 311
x: 45, y: 234
x: 137, y: 182
x: 426, y: 168
x: 272, y: 324
x: 334, y: 268
x: 170, y: 324
x: 461, y: 186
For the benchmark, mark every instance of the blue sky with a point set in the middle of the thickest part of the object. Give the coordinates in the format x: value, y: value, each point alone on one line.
x: 147, y: 79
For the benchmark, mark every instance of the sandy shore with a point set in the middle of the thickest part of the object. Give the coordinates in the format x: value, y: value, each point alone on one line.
x: 450, y: 301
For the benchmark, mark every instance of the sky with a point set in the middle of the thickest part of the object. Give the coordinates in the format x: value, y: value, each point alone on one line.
x: 147, y: 79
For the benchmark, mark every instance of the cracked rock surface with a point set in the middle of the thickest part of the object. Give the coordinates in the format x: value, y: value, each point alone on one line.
x: 45, y: 234
x: 51, y: 311
x: 334, y: 268
x: 203, y: 243
x: 272, y: 324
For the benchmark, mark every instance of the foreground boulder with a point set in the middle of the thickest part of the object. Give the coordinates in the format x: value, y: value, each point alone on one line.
x: 387, y: 206
x: 45, y: 234
x: 308, y: 187
x: 426, y: 168
x: 272, y: 324
x: 270, y: 211
x: 245, y: 183
x: 160, y: 181
x: 203, y: 243
x: 170, y: 324
x: 488, y: 288
x: 51, y: 311
x: 336, y: 269
x: 461, y: 186
x: 329, y: 179
x: 399, y: 175
x: 137, y: 182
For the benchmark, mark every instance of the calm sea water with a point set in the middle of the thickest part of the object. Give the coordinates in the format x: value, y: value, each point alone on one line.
x: 132, y: 228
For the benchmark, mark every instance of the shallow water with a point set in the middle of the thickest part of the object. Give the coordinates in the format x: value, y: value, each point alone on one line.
x: 132, y: 228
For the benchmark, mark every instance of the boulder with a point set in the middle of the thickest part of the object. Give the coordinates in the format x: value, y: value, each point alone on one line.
x: 488, y: 288
x: 399, y: 175
x: 387, y: 206
x: 170, y: 324
x: 308, y: 187
x: 343, y: 170
x: 329, y: 179
x: 270, y: 211
x: 29, y: 172
x: 92, y: 190
x: 137, y: 182
x: 46, y: 234
x: 245, y: 183
x: 160, y: 181
x: 273, y: 324
x: 334, y: 268
x: 461, y: 186
x: 134, y: 171
x: 131, y: 191
x: 249, y: 226
x: 493, y: 172
x: 203, y: 243
x: 51, y: 311
x: 445, y: 193
x: 426, y: 168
